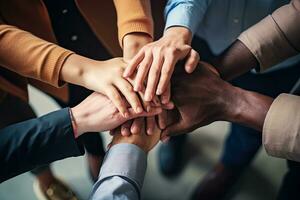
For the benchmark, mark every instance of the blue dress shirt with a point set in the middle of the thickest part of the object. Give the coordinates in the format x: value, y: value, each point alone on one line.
x: 122, y: 173
x: 220, y: 22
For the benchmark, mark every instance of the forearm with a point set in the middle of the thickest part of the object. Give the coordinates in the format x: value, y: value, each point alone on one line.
x: 35, y: 142
x: 247, y: 108
x: 234, y: 61
x: 122, y: 173
x: 185, y: 13
x: 134, y: 16
x: 30, y: 56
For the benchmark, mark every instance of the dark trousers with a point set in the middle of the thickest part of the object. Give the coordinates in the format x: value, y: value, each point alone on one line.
x: 243, y: 143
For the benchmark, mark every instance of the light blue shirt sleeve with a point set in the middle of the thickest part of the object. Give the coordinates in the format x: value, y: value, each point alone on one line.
x: 122, y: 174
x: 186, y: 13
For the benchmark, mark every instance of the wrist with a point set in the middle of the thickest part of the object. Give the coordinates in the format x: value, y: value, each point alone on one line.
x: 133, y: 139
x: 77, y: 117
x: 249, y: 108
x: 181, y: 34
x: 73, y: 70
x: 133, y: 42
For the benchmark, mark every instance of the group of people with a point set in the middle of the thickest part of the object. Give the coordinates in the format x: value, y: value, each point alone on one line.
x: 148, y: 71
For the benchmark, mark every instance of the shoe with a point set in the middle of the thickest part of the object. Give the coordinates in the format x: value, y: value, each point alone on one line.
x: 56, y: 191
x: 216, y: 184
x: 170, y: 156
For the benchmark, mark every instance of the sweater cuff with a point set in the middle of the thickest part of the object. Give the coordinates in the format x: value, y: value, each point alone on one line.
x: 140, y: 26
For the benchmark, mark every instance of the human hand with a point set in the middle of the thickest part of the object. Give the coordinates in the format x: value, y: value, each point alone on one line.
x: 104, y: 77
x: 158, y: 60
x: 132, y: 43
x: 142, y: 140
x: 200, y: 98
x: 97, y: 113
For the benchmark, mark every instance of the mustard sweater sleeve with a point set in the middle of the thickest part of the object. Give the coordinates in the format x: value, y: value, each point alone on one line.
x: 133, y: 16
x: 30, y: 56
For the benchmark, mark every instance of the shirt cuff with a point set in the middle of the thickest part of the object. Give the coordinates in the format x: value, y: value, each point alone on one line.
x: 281, y: 129
x: 184, y: 16
x: 125, y: 160
x: 62, y: 125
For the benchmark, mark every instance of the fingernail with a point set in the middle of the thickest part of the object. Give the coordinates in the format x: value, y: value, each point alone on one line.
x: 148, y: 108
x: 149, y: 131
x: 164, y: 100
x: 139, y: 109
x: 159, y: 91
x: 165, y: 139
x: 126, y: 114
x: 125, y: 74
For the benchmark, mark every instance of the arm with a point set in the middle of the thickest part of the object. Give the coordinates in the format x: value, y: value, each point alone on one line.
x: 122, y: 173
x: 134, y: 16
x: 31, y: 143
x: 187, y: 14
x: 204, y: 97
x: 54, y: 136
x: 30, y: 56
x: 276, y: 37
x: 263, y: 45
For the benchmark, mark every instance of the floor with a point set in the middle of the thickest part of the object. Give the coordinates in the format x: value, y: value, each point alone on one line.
x: 260, y: 182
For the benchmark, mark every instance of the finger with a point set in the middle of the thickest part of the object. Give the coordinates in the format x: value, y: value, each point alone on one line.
x: 162, y: 120
x: 192, y: 61
x: 126, y: 88
x: 153, y: 76
x: 142, y: 72
x: 137, y: 125
x: 133, y: 64
x: 152, y: 112
x: 169, y: 106
x: 166, y: 95
x: 114, y: 95
x: 166, y: 73
x: 125, y: 128
x: 150, y: 125
x: 173, y: 129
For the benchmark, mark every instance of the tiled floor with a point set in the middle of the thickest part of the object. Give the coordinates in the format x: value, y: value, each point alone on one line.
x: 260, y: 182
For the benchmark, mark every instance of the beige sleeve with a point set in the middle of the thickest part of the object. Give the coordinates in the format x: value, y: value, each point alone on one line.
x: 276, y: 37
x: 281, y: 131
x: 30, y: 56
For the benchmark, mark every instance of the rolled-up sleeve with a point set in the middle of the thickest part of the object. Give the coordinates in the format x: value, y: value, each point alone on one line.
x: 185, y: 13
x: 122, y: 173
x: 281, y: 131
x: 276, y: 37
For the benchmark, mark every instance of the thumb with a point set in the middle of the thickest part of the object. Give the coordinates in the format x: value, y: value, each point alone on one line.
x: 192, y: 61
